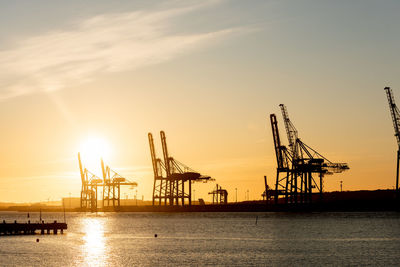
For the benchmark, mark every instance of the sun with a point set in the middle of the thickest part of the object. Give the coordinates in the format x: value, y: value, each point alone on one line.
x: 94, y: 148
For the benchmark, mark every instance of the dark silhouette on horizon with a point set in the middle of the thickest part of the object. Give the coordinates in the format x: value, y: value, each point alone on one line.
x: 298, y: 164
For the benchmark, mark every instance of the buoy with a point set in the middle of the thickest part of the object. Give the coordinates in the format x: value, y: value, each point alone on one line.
x: 37, y: 239
x: 155, y: 235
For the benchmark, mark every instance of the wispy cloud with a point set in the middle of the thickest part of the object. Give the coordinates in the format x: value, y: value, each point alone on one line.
x: 101, y: 44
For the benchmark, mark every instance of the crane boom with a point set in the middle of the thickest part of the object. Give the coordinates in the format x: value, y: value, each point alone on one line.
x: 153, y: 155
x: 171, y: 187
x: 394, y: 111
x: 165, y: 152
x: 81, y: 169
x: 290, y: 130
x: 277, y: 141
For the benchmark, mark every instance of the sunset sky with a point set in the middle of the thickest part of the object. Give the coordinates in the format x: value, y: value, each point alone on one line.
x: 208, y: 73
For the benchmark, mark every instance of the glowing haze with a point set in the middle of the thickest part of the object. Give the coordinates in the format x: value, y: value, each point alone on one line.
x: 95, y: 77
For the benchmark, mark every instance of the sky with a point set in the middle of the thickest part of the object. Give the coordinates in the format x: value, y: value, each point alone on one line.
x: 209, y: 73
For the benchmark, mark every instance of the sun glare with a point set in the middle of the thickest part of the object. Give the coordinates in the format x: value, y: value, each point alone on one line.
x: 94, y: 148
x: 94, y: 246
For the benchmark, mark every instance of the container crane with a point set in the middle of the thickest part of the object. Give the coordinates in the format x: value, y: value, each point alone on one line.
x: 112, y: 182
x: 171, y: 187
x: 220, y: 196
x: 299, y: 164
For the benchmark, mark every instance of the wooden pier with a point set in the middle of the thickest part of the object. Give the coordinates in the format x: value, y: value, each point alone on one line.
x: 31, y: 228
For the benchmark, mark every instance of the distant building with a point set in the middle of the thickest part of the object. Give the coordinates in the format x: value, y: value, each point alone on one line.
x: 71, y: 202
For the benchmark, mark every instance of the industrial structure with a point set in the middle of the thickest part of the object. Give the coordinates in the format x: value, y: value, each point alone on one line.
x: 220, y: 196
x: 172, y: 179
x: 300, y: 169
x: 394, y: 111
x: 90, y: 184
x: 266, y: 195
x: 110, y: 184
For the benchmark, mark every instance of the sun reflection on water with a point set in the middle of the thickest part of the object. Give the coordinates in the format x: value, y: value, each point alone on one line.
x: 94, y: 242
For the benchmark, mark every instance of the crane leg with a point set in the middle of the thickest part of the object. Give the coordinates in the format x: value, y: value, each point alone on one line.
x: 286, y: 188
x: 190, y: 193
x: 276, y: 187
x: 305, y: 188
x: 320, y: 186
x: 397, y: 174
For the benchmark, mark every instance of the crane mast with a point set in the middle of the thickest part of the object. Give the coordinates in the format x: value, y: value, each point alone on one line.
x: 281, y: 153
x: 290, y: 130
x: 277, y: 141
x: 159, y: 181
x: 81, y: 169
x: 165, y: 153
x: 394, y: 111
x: 171, y: 185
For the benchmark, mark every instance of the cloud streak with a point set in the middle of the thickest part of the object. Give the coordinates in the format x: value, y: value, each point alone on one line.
x: 101, y: 44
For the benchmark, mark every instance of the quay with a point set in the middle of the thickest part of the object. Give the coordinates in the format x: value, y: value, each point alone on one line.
x: 31, y: 228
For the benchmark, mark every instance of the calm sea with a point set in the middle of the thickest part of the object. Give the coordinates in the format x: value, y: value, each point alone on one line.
x: 215, y: 239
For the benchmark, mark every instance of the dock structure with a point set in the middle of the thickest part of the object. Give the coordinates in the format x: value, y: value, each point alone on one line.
x: 31, y: 228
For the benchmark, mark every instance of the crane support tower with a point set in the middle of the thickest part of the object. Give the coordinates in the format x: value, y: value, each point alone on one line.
x: 300, y: 169
x: 160, y: 183
x: 90, y: 184
x: 394, y: 111
x: 172, y: 179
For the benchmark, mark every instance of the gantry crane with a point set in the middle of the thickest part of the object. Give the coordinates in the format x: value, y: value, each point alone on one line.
x: 394, y: 111
x: 171, y: 176
x: 220, y: 196
x: 112, y: 182
x: 298, y: 165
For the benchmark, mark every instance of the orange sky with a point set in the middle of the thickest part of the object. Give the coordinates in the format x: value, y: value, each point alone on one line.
x: 209, y: 74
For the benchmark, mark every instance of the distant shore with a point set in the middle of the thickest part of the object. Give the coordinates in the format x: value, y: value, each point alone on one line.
x: 377, y: 200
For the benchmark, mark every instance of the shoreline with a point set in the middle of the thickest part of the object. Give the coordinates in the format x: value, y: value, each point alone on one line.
x: 362, y: 201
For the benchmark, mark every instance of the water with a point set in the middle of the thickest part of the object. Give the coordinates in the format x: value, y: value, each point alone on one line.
x: 217, y: 239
